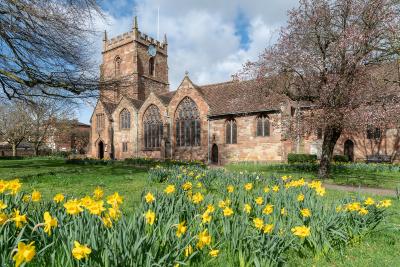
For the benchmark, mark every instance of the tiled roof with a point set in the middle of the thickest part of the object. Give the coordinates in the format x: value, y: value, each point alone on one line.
x: 166, y: 97
x: 136, y: 103
x: 235, y: 97
x: 109, y: 107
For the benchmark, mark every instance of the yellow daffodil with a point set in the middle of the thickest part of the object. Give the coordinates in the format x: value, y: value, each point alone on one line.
x: 228, y: 212
x: 36, y: 196
x: 320, y: 191
x: 149, y: 197
x: 187, y: 186
x: 222, y: 204
x: 384, y: 203
x: 14, y: 186
x: 2, y: 205
x: 300, y: 197
x: 3, y: 186
x: 49, y: 222
x: 210, y: 208
x: 259, y: 200
x: 26, y: 198
x: 150, y: 217
x: 369, y: 201
x: 275, y: 188
x: 18, y: 219
x: 25, y: 253
x: 86, y: 201
x: 96, y: 208
x: 107, y: 221
x: 301, y: 231
x: 181, y: 229
x: 204, y: 239
x: 363, y: 211
x: 258, y: 223
x: 247, y: 208
x: 305, y: 212
x: 197, y: 198
x: 188, y: 251
x: 80, y: 251
x: 283, y: 211
x: 199, y: 185
x: 214, y: 253
x: 58, y: 198
x: 206, y: 217
x: 230, y: 188
x: 98, y: 193
x: 169, y: 189
x: 266, y: 189
x: 3, y: 218
x: 114, y: 213
x: 73, y: 207
x: 355, y: 206
x: 268, y: 228
x: 268, y: 209
x: 248, y: 186
x: 114, y: 200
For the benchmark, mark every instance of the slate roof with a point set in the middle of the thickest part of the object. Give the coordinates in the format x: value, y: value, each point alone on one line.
x: 235, y: 97
x: 136, y: 103
x: 166, y: 97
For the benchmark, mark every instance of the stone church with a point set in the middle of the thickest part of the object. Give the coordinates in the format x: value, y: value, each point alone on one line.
x: 216, y: 123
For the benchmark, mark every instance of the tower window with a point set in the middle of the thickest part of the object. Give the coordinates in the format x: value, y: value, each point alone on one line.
x: 117, y: 66
x: 151, y: 67
x: 231, y: 131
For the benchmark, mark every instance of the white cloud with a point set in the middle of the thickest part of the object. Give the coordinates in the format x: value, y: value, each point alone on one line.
x: 201, y: 34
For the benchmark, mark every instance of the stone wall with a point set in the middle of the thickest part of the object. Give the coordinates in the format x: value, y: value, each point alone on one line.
x: 103, y: 135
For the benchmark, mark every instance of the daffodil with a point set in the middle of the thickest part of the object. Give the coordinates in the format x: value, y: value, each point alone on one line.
x: 369, y: 201
x: 283, y: 211
x: 230, y: 188
x: 268, y: 209
x: 169, y: 189
x: 14, y: 186
x: 86, y: 201
x: 363, y: 211
x: 150, y: 217
x: 305, y: 212
x: 300, y: 197
x: 18, y: 219
x: 268, y: 228
x: 210, y: 208
x: 197, y: 198
x: 187, y: 186
x: 96, y: 208
x: 247, y: 208
x: 204, y: 239
x: 275, y: 188
x: 3, y: 218
x: 58, y: 198
x: 266, y: 189
x: 49, y: 222
x: 3, y: 186
x: 181, y: 229
x: 107, y: 221
x: 36, y: 196
x: 206, y: 217
x: 214, y: 253
x: 259, y: 200
x: 258, y: 223
x: 98, y: 193
x: 248, y: 186
x: 114, y: 213
x: 2, y: 205
x: 80, y: 251
x: 25, y: 253
x: 301, y: 231
x: 114, y: 200
x: 73, y: 207
x: 149, y: 197
x: 384, y: 203
x: 188, y: 251
x: 228, y: 212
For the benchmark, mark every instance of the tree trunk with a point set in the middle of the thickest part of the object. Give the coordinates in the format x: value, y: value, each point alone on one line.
x: 331, y: 135
x: 14, y: 150
x: 36, y: 151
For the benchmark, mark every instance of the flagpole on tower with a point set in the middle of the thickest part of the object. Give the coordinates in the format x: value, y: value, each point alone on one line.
x: 158, y: 23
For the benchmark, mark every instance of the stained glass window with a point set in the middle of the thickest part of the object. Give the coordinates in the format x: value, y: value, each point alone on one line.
x: 187, y: 121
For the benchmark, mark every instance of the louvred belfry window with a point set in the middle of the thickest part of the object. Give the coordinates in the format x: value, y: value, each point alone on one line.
x: 152, y: 127
x: 231, y: 132
x: 187, y: 123
x: 263, y: 126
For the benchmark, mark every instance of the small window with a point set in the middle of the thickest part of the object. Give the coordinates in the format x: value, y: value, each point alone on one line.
x: 231, y: 131
x: 151, y: 67
x: 124, y: 146
x: 125, y: 119
x: 117, y: 66
x: 263, y: 127
x: 319, y: 133
x: 374, y: 133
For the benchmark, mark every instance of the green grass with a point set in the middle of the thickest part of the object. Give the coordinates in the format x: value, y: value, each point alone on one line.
x: 381, y: 248
x: 360, y: 177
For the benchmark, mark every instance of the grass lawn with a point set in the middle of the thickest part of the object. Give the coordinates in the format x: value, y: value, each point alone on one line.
x: 381, y: 248
x: 359, y: 177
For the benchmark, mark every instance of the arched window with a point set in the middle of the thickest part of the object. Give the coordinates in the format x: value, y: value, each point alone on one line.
x: 263, y: 127
x: 151, y: 67
x: 152, y: 127
x: 125, y: 119
x: 117, y: 66
x: 187, y: 121
x: 231, y: 132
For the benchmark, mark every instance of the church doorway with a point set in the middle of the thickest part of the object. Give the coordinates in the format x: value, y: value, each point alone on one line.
x: 349, y: 149
x: 214, y: 154
x: 101, y: 150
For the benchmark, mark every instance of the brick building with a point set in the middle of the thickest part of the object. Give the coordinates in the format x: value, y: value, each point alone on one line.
x: 137, y: 115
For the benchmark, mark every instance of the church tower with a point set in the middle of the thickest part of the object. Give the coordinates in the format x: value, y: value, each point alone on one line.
x: 134, y: 64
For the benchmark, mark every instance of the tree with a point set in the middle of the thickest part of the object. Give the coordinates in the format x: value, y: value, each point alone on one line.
x: 45, y: 114
x: 80, y: 140
x: 330, y: 56
x: 15, y: 124
x: 45, y: 48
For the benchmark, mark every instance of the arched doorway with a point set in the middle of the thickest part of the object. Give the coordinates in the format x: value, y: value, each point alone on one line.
x: 101, y: 150
x: 349, y: 149
x: 214, y: 154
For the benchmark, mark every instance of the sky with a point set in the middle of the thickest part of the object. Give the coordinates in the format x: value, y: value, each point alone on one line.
x: 211, y: 39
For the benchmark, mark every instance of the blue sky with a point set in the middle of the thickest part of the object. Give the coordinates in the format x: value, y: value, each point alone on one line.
x: 210, y: 39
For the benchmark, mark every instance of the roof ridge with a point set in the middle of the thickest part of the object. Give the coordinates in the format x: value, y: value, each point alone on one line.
x: 213, y: 84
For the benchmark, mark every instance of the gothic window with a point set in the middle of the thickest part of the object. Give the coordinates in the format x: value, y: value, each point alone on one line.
x: 125, y: 119
x: 373, y: 133
x: 100, y: 121
x: 187, y: 121
x: 151, y: 67
x: 152, y: 127
x: 124, y: 146
x: 231, y: 131
x: 117, y: 66
x: 263, y: 127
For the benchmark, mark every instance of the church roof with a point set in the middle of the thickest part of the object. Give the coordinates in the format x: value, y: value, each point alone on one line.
x: 235, y: 97
x: 109, y: 107
x: 136, y: 103
x: 166, y: 97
